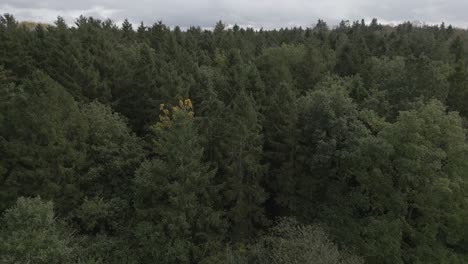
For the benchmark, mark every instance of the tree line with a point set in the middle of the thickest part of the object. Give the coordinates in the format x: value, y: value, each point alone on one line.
x: 151, y: 144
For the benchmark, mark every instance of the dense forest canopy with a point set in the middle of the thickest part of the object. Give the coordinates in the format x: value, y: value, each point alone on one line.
x: 150, y: 144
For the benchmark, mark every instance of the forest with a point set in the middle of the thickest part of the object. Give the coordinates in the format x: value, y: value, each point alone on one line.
x: 143, y: 144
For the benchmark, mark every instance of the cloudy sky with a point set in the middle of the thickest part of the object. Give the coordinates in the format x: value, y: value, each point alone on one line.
x: 256, y: 13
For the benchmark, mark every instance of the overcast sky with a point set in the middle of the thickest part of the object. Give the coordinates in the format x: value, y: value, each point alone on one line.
x: 255, y: 13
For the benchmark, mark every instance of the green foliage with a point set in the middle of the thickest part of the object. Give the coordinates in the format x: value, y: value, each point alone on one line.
x: 402, y: 190
x: 290, y: 242
x: 280, y: 148
x: 328, y: 128
x: 349, y: 129
x: 113, y: 153
x: 176, y: 220
x: 43, y: 142
x: 430, y: 154
x: 29, y: 233
x: 232, y: 127
x: 404, y: 80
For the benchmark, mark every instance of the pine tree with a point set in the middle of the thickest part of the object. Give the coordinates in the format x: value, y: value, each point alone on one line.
x: 127, y: 29
x: 15, y: 47
x: 242, y: 169
x: 458, y: 92
x: 137, y: 96
x: 456, y: 48
x: 280, y: 132
x: 174, y: 191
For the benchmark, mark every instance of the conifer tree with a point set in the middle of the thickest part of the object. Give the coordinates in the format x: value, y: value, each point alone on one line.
x: 174, y: 191
x: 242, y: 169
x: 127, y: 29
x: 137, y: 96
x: 280, y: 132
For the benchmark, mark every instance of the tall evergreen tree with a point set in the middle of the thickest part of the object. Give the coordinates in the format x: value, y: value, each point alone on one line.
x: 242, y: 169
x: 176, y: 219
x: 280, y: 132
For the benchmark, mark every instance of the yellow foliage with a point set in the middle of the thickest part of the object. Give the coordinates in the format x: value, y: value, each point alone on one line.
x: 188, y: 104
x: 166, y: 115
x: 30, y: 25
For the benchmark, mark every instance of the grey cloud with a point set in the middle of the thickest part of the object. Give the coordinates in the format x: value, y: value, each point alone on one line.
x: 256, y: 13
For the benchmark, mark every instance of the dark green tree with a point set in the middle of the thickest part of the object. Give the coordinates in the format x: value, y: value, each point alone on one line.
x: 43, y: 143
x: 174, y: 191
x: 242, y: 170
x: 280, y: 147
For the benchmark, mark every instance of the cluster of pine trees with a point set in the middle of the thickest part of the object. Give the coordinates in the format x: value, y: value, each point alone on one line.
x: 152, y: 144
